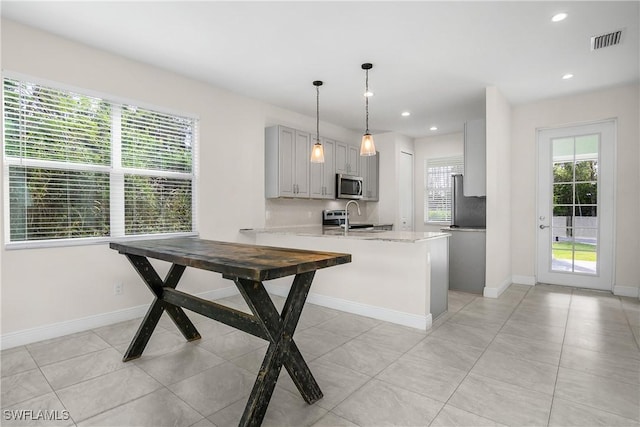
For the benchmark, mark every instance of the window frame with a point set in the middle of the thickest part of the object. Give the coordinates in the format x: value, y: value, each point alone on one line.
x: 454, y: 161
x: 115, y: 170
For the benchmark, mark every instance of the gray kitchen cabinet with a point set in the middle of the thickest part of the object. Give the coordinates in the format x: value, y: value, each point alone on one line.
x: 475, y: 158
x: 287, y: 154
x: 369, y: 171
x: 322, y: 176
x: 347, y: 158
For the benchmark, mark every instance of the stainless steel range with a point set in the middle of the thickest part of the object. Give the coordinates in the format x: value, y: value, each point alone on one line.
x: 337, y: 218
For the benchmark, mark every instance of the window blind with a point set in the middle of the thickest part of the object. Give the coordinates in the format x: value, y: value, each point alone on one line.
x: 437, y: 187
x: 85, y: 167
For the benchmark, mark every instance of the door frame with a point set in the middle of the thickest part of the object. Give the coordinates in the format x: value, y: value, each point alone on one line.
x: 604, y: 275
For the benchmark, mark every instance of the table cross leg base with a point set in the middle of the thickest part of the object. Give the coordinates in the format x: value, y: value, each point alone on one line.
x: 282, y: 350
x: 156, y: 284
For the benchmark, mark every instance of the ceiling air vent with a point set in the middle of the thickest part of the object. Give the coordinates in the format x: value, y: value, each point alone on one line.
x: 606, y: 40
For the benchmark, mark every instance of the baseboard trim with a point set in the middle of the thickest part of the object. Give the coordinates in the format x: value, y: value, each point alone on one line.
x: 524, y: 280
x: 626, y: 291
x: 496, y: 292
x: 380, y: 313
x: 55, y: 330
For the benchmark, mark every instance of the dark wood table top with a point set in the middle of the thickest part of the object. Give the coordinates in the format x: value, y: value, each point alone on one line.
x: 245, y: 261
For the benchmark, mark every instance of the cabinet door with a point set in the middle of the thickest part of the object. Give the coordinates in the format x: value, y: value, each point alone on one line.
x: 286, y: 159
x: 341, y: 157
x: 301, y: 164
x: 475, y: 158
x: 353, y: 160
x: 321, y: 174
x: 364, y: 173
x: 374, y: 174
x: 329, y: 169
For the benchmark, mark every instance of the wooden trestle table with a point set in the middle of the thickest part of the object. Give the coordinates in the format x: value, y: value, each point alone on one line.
x: 248, y: 266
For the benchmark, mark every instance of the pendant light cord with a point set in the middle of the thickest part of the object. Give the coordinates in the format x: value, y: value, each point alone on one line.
x: 317, y: 113
x: 366, y: 97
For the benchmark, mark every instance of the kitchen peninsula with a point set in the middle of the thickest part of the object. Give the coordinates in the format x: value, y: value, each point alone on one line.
x: 396, y: 276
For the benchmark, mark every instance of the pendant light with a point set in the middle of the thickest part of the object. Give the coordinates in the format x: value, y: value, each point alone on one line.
x: 317, y: 152
x: 367, y: 147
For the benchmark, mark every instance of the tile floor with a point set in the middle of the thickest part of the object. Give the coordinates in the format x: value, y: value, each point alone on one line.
x: 536, y: 356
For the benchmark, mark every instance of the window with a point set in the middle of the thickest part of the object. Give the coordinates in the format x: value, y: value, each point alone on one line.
x: 437, y: 187
x: 83, y: 167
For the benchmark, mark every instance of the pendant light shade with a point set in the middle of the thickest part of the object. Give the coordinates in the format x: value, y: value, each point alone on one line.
x: 367, y: 147
x: 317, y: 152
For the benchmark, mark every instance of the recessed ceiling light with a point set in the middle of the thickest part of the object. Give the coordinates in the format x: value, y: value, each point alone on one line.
x: 559, y: 17
x: 368, y: 93
x: 567, y: 76
x: 406, y: 114
x: 433, y: 128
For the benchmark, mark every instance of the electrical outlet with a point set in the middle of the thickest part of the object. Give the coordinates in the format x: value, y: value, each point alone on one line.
x: 118, y: 288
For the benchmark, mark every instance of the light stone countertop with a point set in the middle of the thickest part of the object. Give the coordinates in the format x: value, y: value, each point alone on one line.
x: 338, y: 233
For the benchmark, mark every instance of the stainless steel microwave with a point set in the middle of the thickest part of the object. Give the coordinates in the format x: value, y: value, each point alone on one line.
x: 348, y: 186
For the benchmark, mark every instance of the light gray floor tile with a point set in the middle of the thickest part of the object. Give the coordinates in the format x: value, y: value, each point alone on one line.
x: 610, y: 344
x: 541, y: 315
x: 479, y: 320
x: 158, y: 409
x: 449, y: 353
x: 253, y: 360
x: 161, y: 342
x: 435, y: 380
x: 230, y: 346
x: 526, y: 348
x: 16, y: 361
x: 547, y: 299
x: 332, y: 420
x: 97, y: 395
x: 464, y: 334
x: 525, y: 373
x: 361, y: 356
x: 505, y: 403
x: 599, y: 392
x: 180, y: 364
x: 122, y: 332
x: 318, y: 341
x: 28, y: 413
x: 393, y: 337
x: 607, y: 315
x: 215, y: 388
x: 349, y: 325
x: 284, y: 409
x: 208, y: 329
x: 565, y: 413
x: 23, y: 386
x: 48, y: 352
x: 382, y: 404
x: 605, y: 365
x: 335, y: 381
x: 82, y: 368
x: 451, y: 416
x: 535, y: 331
x: 313, y: 315
x: 204, y: 423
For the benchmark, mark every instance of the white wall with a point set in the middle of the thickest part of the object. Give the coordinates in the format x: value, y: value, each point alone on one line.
x: 48, y: 286
x: 620, y: 103
x: 499, y: 202
x: 428, y: 148
x: 389, y: 145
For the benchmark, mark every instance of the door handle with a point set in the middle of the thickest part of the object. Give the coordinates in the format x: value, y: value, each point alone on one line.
x: 542, y: 227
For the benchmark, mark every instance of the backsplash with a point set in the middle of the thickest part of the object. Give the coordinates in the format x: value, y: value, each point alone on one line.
x: 296, y: 212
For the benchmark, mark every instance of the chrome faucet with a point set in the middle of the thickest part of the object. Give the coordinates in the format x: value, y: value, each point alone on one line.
x: 346, y: 217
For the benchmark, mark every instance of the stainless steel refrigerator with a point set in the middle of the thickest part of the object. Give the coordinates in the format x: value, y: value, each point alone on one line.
x: 467, y: 245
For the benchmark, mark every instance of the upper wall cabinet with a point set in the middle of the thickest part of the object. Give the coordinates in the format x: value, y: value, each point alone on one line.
x: 347, y: 159
x: 322, y: 176
x: 287, y: 154
x: 475, y: 158
x: 369, y: 167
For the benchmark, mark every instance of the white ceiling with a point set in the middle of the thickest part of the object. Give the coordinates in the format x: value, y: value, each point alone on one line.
x: 433, y: 59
